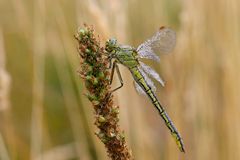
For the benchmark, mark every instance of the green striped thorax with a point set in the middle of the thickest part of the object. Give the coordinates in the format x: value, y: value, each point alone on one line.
x: 125, y: 55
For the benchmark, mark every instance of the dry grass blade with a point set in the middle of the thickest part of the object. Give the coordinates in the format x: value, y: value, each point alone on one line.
x: 4, y: 93
x: 70, y: 100
x: 63, y: 152
x: 3, y: 149
x: 4, y: 77
x: 38, y: 79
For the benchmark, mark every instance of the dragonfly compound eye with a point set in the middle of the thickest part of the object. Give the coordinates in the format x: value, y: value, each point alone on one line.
x: 111, y: 44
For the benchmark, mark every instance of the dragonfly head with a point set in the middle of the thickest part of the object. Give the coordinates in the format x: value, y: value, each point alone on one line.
x: 111, y: 45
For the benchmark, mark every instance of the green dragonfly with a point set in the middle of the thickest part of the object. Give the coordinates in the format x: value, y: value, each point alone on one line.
x: 163, y: 41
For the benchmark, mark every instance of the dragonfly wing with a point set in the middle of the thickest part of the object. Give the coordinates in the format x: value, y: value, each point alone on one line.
x: 151, y: 73
x: 139, y: 89
x: 145, y: 51
x: 162, y: 42
x: 148, y: 81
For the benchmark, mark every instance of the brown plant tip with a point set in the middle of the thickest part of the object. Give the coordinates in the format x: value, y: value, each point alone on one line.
x: 96, y: 77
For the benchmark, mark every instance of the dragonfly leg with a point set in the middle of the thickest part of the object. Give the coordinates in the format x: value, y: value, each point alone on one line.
x: 110, y: 63
x: 119, y: 76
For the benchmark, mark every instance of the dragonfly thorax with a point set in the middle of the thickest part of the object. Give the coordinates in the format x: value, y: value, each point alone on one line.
x: 127, y: 56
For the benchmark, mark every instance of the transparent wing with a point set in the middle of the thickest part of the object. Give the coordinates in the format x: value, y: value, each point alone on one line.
x: 139, y: 89
x: 162, y: 42
x: 125, y: 46
x: 151, y: 73
x: 145, y: 51
x: 149, y: 82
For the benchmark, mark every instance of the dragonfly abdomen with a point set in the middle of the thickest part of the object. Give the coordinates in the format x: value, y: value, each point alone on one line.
x: 147, y: 89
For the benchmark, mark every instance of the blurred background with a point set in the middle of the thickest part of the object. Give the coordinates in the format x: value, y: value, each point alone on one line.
x: 44, y: 114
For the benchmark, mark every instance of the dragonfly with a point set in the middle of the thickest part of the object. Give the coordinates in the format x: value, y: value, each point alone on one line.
x: 162, y: 42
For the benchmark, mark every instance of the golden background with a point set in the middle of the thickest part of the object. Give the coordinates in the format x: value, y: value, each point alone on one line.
x: 44, y: 114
